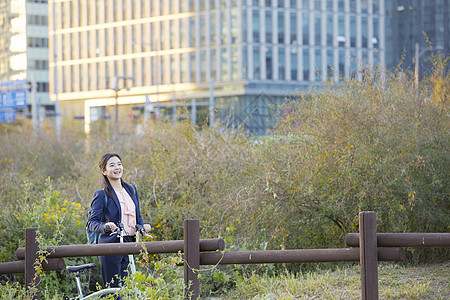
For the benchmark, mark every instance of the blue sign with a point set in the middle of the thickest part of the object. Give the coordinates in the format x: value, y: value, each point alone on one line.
x: 12, y: 84
x: 7, y: 116
x: 13, y: 94
x: 13, y: 99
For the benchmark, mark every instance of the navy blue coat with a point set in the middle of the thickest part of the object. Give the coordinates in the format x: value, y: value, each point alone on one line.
x: 113, y: 214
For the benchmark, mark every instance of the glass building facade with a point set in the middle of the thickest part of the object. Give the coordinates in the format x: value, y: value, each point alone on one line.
x: 416, y: 23
x: 246, y: 54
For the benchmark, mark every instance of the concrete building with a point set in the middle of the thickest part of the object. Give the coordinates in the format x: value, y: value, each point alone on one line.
x: 245, y: 56
x: 24, y: 52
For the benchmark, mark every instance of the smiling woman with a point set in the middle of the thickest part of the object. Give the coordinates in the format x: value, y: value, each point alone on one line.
x: 116, y: 203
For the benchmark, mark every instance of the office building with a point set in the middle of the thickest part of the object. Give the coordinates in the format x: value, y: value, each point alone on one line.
x: 24, y: 55
x: 417, y: 28
x: 245, y: 56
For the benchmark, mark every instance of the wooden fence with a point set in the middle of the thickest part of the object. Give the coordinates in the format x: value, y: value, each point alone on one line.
x: 199, y: 252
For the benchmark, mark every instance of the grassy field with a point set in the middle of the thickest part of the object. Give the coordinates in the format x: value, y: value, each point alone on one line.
x: 395, y: 282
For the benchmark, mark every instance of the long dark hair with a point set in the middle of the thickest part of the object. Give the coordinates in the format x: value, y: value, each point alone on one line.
x: 106, y: 185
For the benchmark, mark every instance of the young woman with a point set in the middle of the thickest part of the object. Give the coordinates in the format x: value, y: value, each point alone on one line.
x: 122, y: 207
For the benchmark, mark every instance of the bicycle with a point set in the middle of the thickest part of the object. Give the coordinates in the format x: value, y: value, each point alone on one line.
x: 107, y: 291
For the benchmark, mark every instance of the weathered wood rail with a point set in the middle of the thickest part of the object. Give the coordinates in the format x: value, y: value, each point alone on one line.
x: 198, y: 252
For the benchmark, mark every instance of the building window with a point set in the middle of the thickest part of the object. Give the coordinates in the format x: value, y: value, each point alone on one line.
x: 318, y: 64
x: 255, y: 23
x: 341, y: 38
x: 305, y: 29
x: 329, y: 30
x: 214, y: 64
x: 305, y: 4
x: 202, y: 30
x: 318, y: 4
x: 294, y: 67
x: 364, y: 7
x: 293, y: 27
x: 306, y: 64
x: 184, y: 33
x: 192, y: 34
x: 317, y: 28
x: 245, y: 60
x: 39, y: 64
x: 293, y: 3
x: 203, y: 66
x: 269, y: 63
x: 330, y: 5
x: 364, y: 32
x: 243, y: 25
x: 256, y: 63
x: 353, y: 6
x: 376, y: 30
x: 281, y: 63
x: 268, y: 26
x: 281, y: 27
x: 375, y: 7
x: 234, y: 63
x: 224, y: 35
x: 341, y: 63
x: 352, y: 31
x: 192, y: 63
x: 341, y: 5
x: 37, y: 20
x: 184, y: 67
x: 226, y: 73
x: 353, y: 64
x: 234, y: 29
x: 330, y: 68
x: 37, y: 42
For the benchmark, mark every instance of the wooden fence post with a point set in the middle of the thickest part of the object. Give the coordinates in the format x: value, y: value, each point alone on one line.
x: 368, y: 255
x: 32, y: 280
x: 191, y: 258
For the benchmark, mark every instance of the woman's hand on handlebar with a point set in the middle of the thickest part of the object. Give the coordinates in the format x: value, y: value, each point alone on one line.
x: 110, y: 227
x: 147, y: 228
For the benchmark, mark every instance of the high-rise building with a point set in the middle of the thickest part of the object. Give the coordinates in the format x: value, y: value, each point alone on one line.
x: 24, y: 51
x: 246, y: 56
x: 416, y: 29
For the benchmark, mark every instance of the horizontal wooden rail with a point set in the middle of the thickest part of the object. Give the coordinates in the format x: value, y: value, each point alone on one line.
x: 126, y: 248
x: 404, y: 239
x: 12, y: 267
x: 295, y: 256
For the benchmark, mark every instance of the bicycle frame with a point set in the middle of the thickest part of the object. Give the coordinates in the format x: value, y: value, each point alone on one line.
x: 106, y: 291
x: 95, y: 295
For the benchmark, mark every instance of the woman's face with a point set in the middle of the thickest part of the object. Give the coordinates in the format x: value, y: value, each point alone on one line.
x: 113, y: 169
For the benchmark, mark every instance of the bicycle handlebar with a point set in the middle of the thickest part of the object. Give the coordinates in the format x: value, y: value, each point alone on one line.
x: 139, y: 230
